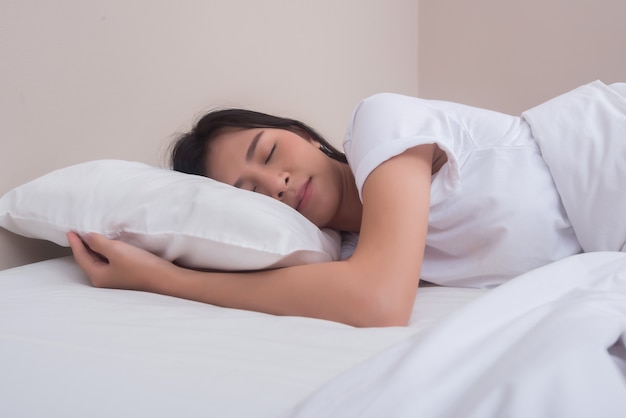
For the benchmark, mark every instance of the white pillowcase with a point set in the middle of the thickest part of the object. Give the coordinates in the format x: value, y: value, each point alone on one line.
x: 192, y: 220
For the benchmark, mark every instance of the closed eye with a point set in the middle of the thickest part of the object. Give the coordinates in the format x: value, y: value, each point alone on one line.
x: 269, y: 156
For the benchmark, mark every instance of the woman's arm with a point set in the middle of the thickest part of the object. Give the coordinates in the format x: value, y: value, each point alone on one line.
x: 374, y: 287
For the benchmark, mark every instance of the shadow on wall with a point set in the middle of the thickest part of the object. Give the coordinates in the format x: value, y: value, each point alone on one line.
x: 17, y: 250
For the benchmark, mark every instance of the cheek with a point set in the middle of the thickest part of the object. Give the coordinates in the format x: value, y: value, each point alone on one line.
x: 325, y: 205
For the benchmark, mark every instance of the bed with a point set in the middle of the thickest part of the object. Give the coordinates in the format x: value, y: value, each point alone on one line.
x: 549, y: 343
x: 70, y: 349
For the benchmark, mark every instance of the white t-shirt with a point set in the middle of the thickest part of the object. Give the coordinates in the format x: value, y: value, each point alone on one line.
x: 495, y: 212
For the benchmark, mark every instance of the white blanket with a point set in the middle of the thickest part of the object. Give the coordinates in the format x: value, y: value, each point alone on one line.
x: 582, y: 136
x: 549, y: 343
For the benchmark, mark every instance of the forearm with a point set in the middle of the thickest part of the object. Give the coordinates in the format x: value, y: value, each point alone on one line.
x: 335, y: 291
x: 352, y: 291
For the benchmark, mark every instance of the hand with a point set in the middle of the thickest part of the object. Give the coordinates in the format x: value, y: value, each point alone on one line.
x: 116, y: 264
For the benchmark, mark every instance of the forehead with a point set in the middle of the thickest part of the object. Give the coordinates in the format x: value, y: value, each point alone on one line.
x: 226, y: 151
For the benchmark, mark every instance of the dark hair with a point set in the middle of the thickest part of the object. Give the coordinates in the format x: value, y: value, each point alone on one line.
x: 189, y: 149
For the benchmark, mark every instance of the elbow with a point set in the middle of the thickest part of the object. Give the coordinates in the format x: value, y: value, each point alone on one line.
x: 387, y: 319
x: 384, y: 311
x: 383, y: 322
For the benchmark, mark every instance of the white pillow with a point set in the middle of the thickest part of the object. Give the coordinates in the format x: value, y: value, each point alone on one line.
x: 192, y: 220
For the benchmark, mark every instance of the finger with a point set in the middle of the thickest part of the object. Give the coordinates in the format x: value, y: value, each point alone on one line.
x: 83, y: 255
x: 98, y: 244
x: 76, y: 244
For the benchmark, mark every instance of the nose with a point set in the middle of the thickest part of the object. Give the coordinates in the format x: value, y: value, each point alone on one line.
x: 273, y: 184
x: 281, y: 184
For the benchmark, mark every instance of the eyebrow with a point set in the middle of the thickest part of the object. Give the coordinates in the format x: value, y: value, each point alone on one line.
x: 253, y: 145
x: 250, y: 152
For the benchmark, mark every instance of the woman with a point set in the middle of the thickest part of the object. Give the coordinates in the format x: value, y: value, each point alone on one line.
x: 454, y: 194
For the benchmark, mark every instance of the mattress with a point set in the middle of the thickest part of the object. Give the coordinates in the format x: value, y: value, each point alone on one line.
x: 69, y: 349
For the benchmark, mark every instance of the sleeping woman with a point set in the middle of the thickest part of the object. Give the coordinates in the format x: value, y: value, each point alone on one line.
x: 448, y: 193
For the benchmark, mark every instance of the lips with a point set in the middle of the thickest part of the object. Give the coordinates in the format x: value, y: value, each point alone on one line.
x: 304, y: 194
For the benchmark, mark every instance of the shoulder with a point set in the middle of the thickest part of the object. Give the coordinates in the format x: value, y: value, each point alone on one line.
x: 386, y: 115
x: 386, y: 125
x: 387, y: 104
x: 387, y: 98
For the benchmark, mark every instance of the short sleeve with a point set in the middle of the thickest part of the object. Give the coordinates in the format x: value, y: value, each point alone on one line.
x: 387, y: 124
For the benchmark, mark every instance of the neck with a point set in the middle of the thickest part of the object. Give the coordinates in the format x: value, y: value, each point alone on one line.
x: 348, y: 217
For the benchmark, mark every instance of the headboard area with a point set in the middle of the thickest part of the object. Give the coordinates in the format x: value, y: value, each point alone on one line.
x: 84, y: 81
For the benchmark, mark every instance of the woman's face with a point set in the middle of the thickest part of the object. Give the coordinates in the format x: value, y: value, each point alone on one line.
x: 280, y: 164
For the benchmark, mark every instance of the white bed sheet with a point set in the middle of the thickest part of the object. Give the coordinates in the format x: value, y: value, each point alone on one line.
x: 70, y: 350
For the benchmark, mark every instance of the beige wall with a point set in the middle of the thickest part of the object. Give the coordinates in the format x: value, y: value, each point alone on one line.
x: 84, y: 80
x: 509, y: 55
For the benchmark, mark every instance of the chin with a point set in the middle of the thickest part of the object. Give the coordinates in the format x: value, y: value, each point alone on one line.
x: 315, y: 221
